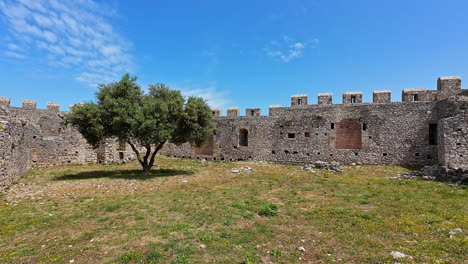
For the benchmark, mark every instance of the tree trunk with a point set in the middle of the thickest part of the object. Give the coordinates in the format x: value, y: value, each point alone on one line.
x: 147, y: 161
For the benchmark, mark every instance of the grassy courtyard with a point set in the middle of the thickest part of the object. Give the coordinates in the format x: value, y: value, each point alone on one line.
x: 189, y: 211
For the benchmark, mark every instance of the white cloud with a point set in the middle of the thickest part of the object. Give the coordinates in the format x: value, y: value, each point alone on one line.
x: 73, y: 34
x: 288, y: 49
x: 14, y: 54
x: 214, y: 97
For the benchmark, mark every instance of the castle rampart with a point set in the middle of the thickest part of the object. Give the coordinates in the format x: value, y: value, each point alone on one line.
x: 427, y: 127
x: 31, y: 137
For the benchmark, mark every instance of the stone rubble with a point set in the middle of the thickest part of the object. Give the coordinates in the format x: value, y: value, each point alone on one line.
x: 330, y: 166
x: 435, y: 172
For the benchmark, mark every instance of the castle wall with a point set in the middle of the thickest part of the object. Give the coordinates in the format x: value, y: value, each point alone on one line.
x: 32, y: 137
x: 421, y: 130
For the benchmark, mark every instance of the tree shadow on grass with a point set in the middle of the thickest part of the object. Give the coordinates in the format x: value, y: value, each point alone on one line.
x: 123, y: 174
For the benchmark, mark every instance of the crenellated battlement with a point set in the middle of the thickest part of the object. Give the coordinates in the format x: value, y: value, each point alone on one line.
x: 29, y: 105
x: 446, y: 87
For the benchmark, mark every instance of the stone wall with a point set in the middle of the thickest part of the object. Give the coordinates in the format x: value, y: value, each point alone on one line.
x: 32, y: 137
x: 412, y: 132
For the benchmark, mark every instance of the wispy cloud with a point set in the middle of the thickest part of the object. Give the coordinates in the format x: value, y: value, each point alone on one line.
x: 288, y: 49
x: 71, y: 34
x: 214, y: 97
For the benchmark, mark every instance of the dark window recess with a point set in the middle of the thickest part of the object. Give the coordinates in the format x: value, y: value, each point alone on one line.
x: 459, y: 130
x: 316, y: 134
x: 291, y: 135
x: 306, y: 134
x: 370, y: 137
x: 214, y: 113
x: 414, y: 97
x: 364, y: 126
x: 34, y: 136
x: 417, y: 154
x: 332, y: 126
x: 214, y: 132
x: 432, y: 134
x: 458, y: 144
x: 355, y: 153
x: 295, y: 152
x: 273, y: 152
x: 353, y: 99
x: 331, y: 155
x: 308, y: 154
x: 286, y: 151
x: 318, y: 153
x: 243, y: 137
x: 214, y: 158
x: 326, y: 134
x: 384, y: 154
x: 252, y: 113
x: 461, y: 156
x: 299, y: 101
x: 429, y: 156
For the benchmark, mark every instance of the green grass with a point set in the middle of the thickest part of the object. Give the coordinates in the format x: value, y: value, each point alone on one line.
x: 116, y: 214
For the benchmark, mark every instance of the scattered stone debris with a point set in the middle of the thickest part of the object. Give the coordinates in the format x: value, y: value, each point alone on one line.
x: 330, y: 166
x: 397, y: 255
x: 203, y: 246
x: 243, y: 169
x: 301, y: 249
x: 435, y: 172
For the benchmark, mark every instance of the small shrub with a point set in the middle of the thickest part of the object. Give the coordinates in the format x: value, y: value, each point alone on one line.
x: 112, y: 207
x: 268, y: 209
x: 228, y: 222
x: 131, y: 257
x: 238, y: 205
x: 276, y: 252
x: 153, y: 256
x: 180, y: 260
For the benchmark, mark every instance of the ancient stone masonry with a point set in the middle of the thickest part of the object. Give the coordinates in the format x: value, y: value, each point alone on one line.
x: 31, y: 137
x: 428, y: 127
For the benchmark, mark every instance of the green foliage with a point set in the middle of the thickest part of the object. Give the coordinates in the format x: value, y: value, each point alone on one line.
x: 131, y: 257
x: 124, y: 111
x: 268, y: 209
x: 181, y: 260
x: 153, y: 256
x: 276, y: 252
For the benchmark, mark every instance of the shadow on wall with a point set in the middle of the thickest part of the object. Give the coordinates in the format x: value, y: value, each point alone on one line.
x: 123, y: 174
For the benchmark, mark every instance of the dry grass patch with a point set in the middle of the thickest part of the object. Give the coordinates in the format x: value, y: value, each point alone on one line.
x: 189, y: 211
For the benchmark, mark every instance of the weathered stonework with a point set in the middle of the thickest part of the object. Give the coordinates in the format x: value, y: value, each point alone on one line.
x: 426, y: 131
x: 427, y: 128
x: 41, y: 138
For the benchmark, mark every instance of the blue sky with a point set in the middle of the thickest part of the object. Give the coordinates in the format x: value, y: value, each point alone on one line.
x: 233, y: 53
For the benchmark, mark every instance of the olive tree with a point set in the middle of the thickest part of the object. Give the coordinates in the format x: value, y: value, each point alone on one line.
x: 146, y: 121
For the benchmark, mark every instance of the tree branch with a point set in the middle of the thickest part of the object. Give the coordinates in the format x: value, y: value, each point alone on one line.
x: 158, y: 148
x: 135, y: 150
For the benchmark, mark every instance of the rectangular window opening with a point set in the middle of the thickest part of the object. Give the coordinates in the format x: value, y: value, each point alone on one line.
x: 414, y: 97
x: 432, y: 134
x: 299, y: 101
x: 252, y: 113
x: 353, y: 99
x: 332, y: 126
x: 306, y: 134
x: 364, y: 126
x: 291, y: 135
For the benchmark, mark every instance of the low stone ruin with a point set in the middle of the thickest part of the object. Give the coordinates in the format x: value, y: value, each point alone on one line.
x: 436, y: 172
x: 330, y: 166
